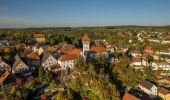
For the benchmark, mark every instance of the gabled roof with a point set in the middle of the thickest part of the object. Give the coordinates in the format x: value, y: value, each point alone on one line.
x: 85, y: 37
x: 147, y: 85
x: 17, y: 61
x: 45, y: 56
x: 128, y: 96
x: 164, y: 91
x: 66, y: 57
x: 98, y: 49
x: 4, y: 76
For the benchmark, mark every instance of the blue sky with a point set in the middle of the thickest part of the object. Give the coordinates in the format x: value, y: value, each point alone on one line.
x: 75, y: 13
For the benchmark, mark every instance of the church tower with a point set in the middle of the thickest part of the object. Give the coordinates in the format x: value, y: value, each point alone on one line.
x: 86, y: 43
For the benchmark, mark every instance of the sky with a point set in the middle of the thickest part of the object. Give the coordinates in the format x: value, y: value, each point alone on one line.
x: 82, y: 13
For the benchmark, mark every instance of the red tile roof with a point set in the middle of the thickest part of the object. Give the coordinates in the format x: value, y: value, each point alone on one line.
x: 98, y: 49
x: 167, y: 78
x: 167, y: 37
x: 66, y: 57
x: 4, y: 76
x: 128, y: 96
x: 148, y: 49
x: 75, y: 51
x: 51, y: 49
x: 86, y: 38
x: 33, y: 56
x: 164, y: 91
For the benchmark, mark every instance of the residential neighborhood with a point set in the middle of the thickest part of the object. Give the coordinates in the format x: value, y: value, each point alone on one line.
x: 85, y: 50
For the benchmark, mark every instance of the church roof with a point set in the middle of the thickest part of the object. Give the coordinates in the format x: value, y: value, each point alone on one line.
x: 86, y: 38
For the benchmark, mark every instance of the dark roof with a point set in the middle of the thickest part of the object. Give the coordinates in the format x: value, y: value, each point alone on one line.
x: 17, y: 61
x: 45, y: 56
x: 147, y: 85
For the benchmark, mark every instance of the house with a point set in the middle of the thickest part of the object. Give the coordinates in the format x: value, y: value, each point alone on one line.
x: 67, y: 60
x: 148, y: 49
x: 136, y: 53
x: 154, y: 39
x: 164, y: 93
x: 19, y: 66
x: 135, y: 61
x: 33, y: 59
x: 128, y: 96
x: 165, y: 57
x: 145, y: 62
x: 4, y: 66
x: 65, y: 48
x: 148, y: 88
x: 110, y: 48
x: 160, y: 65
x: 51, y: 49
x: 40, y: 38
x: 55, y: 68
x: 166, y: 39
x: 121, y: 34
x: 97, y: 50
x: 6, y: 79
x: 48, y: 60
x: 164, y: 52
x: 167, y: 80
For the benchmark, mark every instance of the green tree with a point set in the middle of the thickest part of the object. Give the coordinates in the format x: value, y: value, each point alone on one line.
x: 60, y: 96
x: 52, y: 84
x: 40, y: 73
x: 91, y: 69
x: 48, y: 76
x: 7, y: 50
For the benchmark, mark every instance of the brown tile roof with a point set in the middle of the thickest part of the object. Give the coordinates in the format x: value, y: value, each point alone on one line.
x: 164, y: 91
x: 85, y: 38
x: 51, y: 49
x: 66, y: 48
x: 66, y: 57
x: 4, y: 76
x: 167, y: 37
x: 167, y: 78
x: 33, y: 56
x: 128, y: 96
x: 121, y: 34
x: 97, y: 49
x: 136, y: 59
x: 40, y: 35
x: 55, y: 66
x: 75, y: 51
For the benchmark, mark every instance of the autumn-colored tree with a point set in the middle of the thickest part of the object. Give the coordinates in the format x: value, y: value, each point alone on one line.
x: 7, y: 50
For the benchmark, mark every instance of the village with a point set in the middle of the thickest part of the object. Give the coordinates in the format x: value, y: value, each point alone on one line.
x: 47, y: 69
